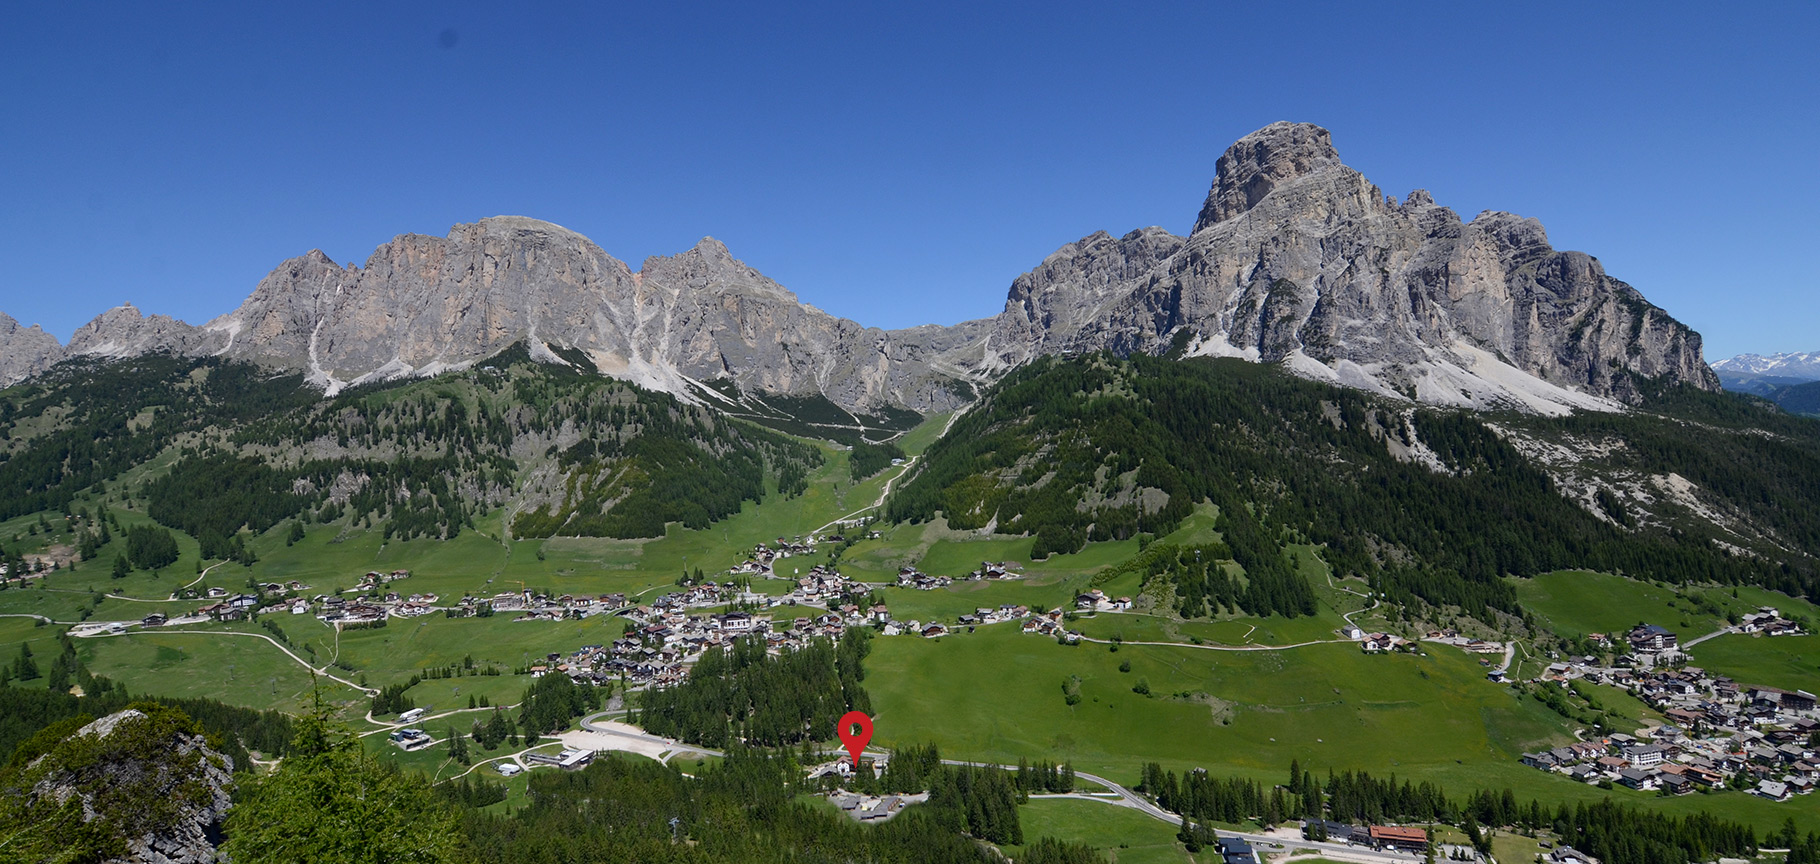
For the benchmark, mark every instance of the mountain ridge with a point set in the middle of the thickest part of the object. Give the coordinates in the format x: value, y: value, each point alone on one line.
x: 1295, y: 258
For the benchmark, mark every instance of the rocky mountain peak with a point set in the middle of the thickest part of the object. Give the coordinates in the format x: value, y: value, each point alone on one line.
x: 1262, y: 161
x: 25, y: 351
x: 124, y: 331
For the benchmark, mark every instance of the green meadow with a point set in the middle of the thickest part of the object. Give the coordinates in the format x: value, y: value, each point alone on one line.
x: 1575, y: 603
x: 1787, y: 662
x: 1127, y: 836
x: 997, y: 695
x: 993, y: 694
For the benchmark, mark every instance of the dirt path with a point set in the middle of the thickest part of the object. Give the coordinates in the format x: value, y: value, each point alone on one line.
x: 1224, y: 647
x: 370, y: 691
x: 886, y: 492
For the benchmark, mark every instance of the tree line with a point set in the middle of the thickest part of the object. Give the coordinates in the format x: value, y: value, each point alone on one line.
x: 1610, y: 831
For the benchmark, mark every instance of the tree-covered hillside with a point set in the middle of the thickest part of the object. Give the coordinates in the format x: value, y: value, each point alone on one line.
x: 1427, y: 503
x: 571, y: 452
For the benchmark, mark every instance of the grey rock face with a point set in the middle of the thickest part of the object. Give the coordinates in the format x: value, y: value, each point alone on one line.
x: 1260, y: 162
x: 1295, y: 258
x: 423, y: 304
x: 25, y: 351
x: 163, y: 792
x: 1299, y: 259
x: 124, y: 331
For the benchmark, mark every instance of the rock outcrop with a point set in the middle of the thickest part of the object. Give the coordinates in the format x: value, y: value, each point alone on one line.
x: 141, y: 782
x: 25, y: 351
x: 1295, y: 258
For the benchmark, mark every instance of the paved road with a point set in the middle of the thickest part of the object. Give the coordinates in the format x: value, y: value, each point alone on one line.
x: 1713, y: 635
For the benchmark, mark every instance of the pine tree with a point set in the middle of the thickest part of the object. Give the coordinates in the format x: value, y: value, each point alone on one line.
x: 25, y: 668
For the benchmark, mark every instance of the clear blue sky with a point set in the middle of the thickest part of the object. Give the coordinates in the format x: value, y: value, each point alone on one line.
x: 891, y: 166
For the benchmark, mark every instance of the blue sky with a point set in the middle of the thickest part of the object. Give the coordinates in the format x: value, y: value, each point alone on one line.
x: 892, y: 165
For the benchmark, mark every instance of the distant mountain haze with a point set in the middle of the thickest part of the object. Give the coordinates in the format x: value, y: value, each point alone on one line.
x: 1295, y: 258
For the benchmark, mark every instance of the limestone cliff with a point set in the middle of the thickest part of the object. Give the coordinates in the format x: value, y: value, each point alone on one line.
x: 1294, y: 258
x: 1297, y: 258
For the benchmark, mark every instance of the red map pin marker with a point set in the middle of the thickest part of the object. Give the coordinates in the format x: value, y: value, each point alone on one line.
x: 855, y: 731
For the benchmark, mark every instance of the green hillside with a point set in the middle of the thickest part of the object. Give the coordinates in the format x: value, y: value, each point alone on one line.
x: 1429, y: 505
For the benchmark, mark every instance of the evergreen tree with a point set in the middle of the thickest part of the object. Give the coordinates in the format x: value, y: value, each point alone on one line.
x: 329, y: 801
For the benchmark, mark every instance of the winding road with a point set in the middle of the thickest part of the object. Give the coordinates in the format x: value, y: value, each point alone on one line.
x: 886, y: 492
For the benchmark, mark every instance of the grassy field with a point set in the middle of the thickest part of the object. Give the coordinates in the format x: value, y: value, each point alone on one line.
x: 239, y: 670
x: 1125, y: 835
x: 1575, y: 603
x: 1788, y: 662
x: 998, y: 695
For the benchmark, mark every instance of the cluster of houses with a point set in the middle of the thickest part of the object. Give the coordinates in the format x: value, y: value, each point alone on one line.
x: 1382, y: 643
x: 534, y: 606
x: 995, y: 570
x: 1096, y: 600
x: 910, y: 577
x: 822, y: 586
x: 375, y: 578
x: 762, y: 561
x: 1715, y: 729
x: 664, y: 637
x: 1769, y: 621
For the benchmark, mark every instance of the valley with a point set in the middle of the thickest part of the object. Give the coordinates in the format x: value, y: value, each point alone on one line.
x: 1468, y: 537
x: 1237, y: 694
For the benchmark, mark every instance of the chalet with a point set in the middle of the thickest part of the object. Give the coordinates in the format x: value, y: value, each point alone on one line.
x: 1638, y: 779
x: 880, y: 613
x: 1395, y: 837
x: 1705, y: 777
x: 734, y: 622
x: 934, y: 630
x: 1772, y: 790
x: 1542, y: 761
x: 220, y: 612
x: 1092, y: 600
x: 1651, y: 639
x: 156, y: 619
x: 1234, y: 850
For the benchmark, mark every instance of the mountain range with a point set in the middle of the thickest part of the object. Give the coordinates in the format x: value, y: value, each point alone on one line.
x: 1295, y: 258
